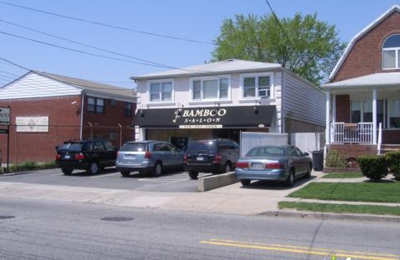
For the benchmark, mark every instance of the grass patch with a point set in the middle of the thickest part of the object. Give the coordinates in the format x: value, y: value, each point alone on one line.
x: 30, y: 166
x: 340, y: 208
x: 364, y: 191
x: 343, y: 175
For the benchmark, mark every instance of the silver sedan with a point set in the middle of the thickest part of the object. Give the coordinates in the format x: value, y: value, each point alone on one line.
x: 273, y: 163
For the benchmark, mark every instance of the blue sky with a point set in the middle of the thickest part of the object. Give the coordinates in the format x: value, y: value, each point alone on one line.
x: 198, y: 20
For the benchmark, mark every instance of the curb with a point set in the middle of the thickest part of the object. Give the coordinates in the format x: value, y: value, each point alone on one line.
x: 331, y: 216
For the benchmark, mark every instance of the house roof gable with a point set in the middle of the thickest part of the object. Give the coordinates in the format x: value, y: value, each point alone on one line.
x: 394, y: 8
x: 43, y: 84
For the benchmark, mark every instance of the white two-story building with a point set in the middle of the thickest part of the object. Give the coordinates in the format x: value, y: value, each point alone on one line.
x: 221, y: 99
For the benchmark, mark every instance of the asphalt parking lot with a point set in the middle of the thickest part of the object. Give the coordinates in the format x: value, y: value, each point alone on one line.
x: 109, y: 179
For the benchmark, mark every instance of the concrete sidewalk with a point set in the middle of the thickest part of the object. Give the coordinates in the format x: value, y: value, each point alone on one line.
x: 258, y: 199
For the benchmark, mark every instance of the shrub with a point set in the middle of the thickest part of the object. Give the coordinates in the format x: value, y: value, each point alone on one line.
x: 334, y: 159
x: 394, y: 163
x: 374, y: 167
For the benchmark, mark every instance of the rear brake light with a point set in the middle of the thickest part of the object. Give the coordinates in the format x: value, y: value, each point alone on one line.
x: 58, y: 156
x: 242, y: 165
x: 217, y: 158
x: 273, y: 166
x: 147, y: 155
x: 185, y: 158
x: 79, y: 156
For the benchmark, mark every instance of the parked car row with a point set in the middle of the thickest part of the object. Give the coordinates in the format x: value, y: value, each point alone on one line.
x: 154, y: 157
x: 273, y: 163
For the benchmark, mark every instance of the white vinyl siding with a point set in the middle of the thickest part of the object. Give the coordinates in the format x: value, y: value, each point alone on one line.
x: 37, y: 86
x: 302, y: 101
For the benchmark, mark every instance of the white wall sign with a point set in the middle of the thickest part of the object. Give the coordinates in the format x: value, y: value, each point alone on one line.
x: 32, y: 124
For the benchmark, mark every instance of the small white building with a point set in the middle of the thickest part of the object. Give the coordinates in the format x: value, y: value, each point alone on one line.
x: 221, y: 99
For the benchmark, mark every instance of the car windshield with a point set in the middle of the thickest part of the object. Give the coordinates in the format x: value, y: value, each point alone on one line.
x: 201, y: 146
x: 267, y: 151
x: 134, y: 147
x: 71, y: 146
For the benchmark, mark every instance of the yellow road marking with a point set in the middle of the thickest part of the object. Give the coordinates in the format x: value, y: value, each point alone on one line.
x: 301, y: 250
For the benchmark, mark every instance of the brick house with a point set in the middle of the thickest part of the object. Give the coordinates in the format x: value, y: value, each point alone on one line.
x: 47, y: 109
x: 363, y: 95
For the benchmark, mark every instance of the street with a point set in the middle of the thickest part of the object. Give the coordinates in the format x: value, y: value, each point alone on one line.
x: 34, y: 229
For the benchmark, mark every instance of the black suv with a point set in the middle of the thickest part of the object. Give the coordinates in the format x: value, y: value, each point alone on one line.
x: 215, y: 156
x: 91, y: 155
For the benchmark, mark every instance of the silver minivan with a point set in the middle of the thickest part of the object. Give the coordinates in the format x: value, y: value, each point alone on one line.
x: 148, y: 157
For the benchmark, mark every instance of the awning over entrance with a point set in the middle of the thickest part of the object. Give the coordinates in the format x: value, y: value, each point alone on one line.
x: 207, y: 117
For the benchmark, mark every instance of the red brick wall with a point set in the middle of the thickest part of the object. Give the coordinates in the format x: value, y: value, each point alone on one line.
x: 390, y: 136
x: 64, y: 124
x: 366, y: 55
x: 353, y: 150
x: 343, y: 108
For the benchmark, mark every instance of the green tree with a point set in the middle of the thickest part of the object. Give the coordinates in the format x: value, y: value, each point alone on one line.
x: 304, y: 45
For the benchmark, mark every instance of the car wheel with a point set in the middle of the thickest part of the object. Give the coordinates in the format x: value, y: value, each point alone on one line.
x: 93, y: 168
x: 157, y: 170
x: 290, y: 180
x: 245, y: 182
x: 193, y: 175
x: 66, y: 171
x: 308, y: 174
x: 227, y: 167
x: 125, y: 173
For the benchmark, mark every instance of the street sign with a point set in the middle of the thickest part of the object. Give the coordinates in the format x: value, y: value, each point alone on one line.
x: 5, y: 116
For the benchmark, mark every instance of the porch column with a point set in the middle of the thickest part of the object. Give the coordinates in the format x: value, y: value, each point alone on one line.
x: 374, y: 116
x: 328, y: 119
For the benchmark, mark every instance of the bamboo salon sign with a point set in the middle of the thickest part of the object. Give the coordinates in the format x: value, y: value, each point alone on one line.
x: 199, y: 118
x: 207, y: 117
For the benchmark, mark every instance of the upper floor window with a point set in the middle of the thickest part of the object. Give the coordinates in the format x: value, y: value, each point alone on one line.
x: 210, y: 88
x: 128, y: 109
x: 96, y: 105
x: 256, y: 86
x: 391, y: 52
x: 161, y: 91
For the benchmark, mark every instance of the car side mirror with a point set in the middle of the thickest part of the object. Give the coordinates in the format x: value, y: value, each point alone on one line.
x: 306, y: 154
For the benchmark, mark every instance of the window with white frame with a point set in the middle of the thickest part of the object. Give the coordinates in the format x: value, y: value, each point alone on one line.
x: 160, y: 91
x: 361, y: 111
x: 391, y: 52
x: 256, y: 86
x: 210, y: 88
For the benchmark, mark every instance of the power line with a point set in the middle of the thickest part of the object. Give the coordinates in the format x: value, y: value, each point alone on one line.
x: 9, y: 73
x: 279, y: 23
x: 15, y: 64
x: 156, y: 64
x: 105, y: 25
x: 74, y: 50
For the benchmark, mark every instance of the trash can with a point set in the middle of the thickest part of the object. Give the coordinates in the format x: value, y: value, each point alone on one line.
x: 318, y: 160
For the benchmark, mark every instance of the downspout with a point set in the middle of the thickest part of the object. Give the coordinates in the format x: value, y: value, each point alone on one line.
x: 82, y: 109
x: 282, y: 125
x: 374, y: 116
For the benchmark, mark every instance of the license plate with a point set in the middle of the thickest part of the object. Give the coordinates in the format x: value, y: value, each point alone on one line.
x: 67, y: 156
x: 200, y: 158
x: 256, y: 165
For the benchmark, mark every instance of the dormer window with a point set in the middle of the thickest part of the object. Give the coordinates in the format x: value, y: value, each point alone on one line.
x: 391, y: 52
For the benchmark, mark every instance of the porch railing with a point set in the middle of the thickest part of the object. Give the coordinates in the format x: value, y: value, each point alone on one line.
x: 347, y: 133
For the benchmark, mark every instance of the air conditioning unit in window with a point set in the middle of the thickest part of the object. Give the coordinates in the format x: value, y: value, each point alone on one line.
x: 263, y: 93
